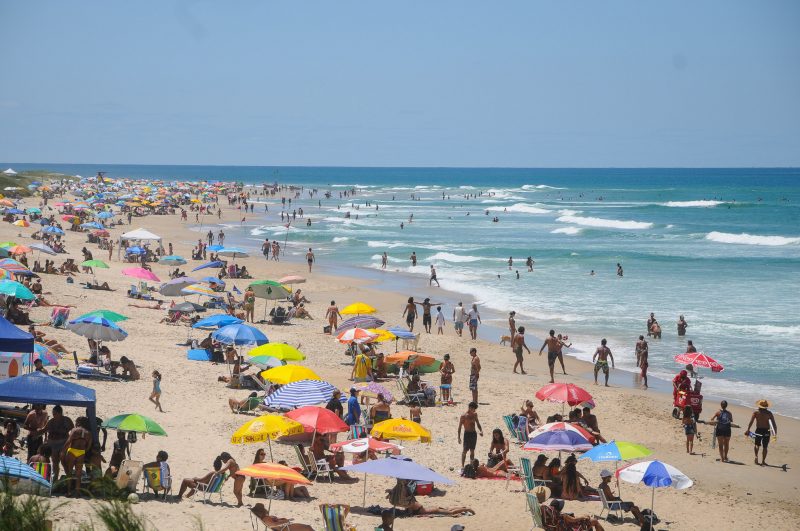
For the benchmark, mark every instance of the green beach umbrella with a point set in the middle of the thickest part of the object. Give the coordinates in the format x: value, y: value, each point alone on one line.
x: 269, y: 289
x: 7, y: 244
x: 11, y: 288
x: 136, y: 423
x: 95, y: 263
x: 114, y: 317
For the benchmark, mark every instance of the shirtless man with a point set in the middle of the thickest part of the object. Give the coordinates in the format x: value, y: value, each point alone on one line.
x: 650, y: 322
x: 78, y: 443
x: 517, y: 344
x: 553, y: 346
x: 615, y: 501
x: 35, y: 423
x: 600, y: 360
x: 468, y: 422
x: 57, y: 431
x: 474, y: 374
x: 384, y: 260
x: 310, y: 259
x: 333, y: 316
x: 690, y: 347
x: 682, y: 326
x: 765, y: 427
x: 413, y: 258
x: 512, y: 324
x: 426, y: 313
x: 642, y: 353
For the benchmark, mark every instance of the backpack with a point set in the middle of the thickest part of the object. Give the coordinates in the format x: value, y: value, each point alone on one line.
x: 470, y: 472
x: 725, y: 418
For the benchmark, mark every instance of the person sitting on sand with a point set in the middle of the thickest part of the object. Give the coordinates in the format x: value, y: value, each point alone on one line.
x: 614, y: 501
x: 532, y: 419
x: 571, y: 481
x: 317, y: 449
x: 475, y: 470
x: 129, y: 370
x: 573, y: 522
x: 540, y: 469
x: 301, y: 312
x: 498, y: 451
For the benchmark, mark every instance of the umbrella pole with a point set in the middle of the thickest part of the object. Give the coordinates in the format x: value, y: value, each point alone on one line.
x: 269, y: 442
x: 652, y: 506
x: 364, y: 503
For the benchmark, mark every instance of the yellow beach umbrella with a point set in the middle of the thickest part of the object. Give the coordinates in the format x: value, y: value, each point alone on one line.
x: 286, y: 374
x: 280, y: 351
x: 358, y: 308
x: 264, y: 428
x: 401, y: 429
x: 383, y: 335
x: 22, y: 223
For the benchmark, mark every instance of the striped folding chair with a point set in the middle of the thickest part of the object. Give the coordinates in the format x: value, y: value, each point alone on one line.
x: 333, y: 516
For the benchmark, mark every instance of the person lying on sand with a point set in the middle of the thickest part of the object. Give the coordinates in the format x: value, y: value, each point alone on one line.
x: 159, y: 305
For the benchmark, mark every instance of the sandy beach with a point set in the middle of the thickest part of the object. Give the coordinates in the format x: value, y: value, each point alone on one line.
x: 737, y: 495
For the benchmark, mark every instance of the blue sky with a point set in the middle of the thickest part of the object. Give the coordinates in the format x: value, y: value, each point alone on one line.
x: 412, y: 83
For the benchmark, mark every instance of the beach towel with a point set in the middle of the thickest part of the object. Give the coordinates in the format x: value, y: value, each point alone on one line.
x: 198, y: 354
x: 59, y: 316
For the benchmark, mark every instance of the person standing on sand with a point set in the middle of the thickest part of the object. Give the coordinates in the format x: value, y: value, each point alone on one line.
x: 682, y: 326
x: 310, y: 259
x: 512, y: 325
x: 468, y: 422
x: 265, y: 248
x: 474, y: 373
x: 553, y: 345
x: 433, y: 278
x: 642, y: 353
x: 426, y: 313
x: 722, y: 431
x: 459, y: 315
x: 561, y: 345
x: 110, y: 249
x: 440, y: 321
x: 600, y: 360
x: 517, y: 344
x: 333, y: 316
x: 474, y: 318
x: 410, y: 313
x: 155, y: 396
x: 765, y: 427
x: 250, y: 305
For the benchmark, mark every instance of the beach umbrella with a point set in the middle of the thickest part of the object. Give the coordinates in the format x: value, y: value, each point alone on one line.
x: 21, y: 477
x: 43, y: 248
x: 233, y: 252
x: 292, y: 279
x: 187, y: 307
x: 97, y: 328
x: 373, y: 389
x: 364, y: 321
x: 358, y: 308
x: 417, y: 358
x: 318, y: 419
x: 11, y: 288
x: 280, y: 351
x: 95, y: 263
x: 33, y: 210
x: 101, y: 233
x: 105, y: 214
x: 357, y: 446
x: 52, y: 229
x: 215, y: 247
x: 654, y: 474
x: 402, y: 333
x: 355, y: 335
x: 401, y: 429
x: 383, y: 335
x: 171, y: 260
x: 396, y: 467
x: 44, y: 353
x: 22, y: 223
x: 114, y: 317
x: 135, y: 250
x: 299, y: 394
x: 14, y: 211
x: 18, y: 249
x: 240, y: 334
x: 213, y: 280
x: 563, y: 393
x: 699, y: 359
x: 136, y: 423
x: 559, y: 436
x: 92, y: 225
x: 217, y: 321
x: 44, y: 221
x: 174, y: 287
x: 140, y: 273
x: 286, y: 374
x: 269, y: 290
x: 617, y: 451
x: 273, y: 473
x: 265, y: 362
x: 200, y: 289
x: 215, y: 263
x: 266, y: 428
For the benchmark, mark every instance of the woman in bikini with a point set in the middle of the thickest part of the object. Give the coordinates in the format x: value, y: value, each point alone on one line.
x: 447, y: 369
x: 73, y: 458
x: 498, y: 451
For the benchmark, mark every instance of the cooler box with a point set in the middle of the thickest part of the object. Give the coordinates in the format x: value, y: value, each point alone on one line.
x: 424, y: 488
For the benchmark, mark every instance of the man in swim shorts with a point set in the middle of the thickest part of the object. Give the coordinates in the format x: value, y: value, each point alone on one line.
x: 474, y: 373
x: 553, y: 346
x: 469, y: 421
x: 600, y: 360
x: 459, y: 315
x: 517, y: 344
x: 765, y: 428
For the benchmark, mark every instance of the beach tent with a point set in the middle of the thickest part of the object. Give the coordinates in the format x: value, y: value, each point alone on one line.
x: 138, y: 235
x: 40, y: 388
x: 10, y: 172
x: 13, y: 339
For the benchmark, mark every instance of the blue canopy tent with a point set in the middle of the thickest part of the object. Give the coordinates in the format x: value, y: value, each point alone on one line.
x: 40, y: 388
x: 13, y: 339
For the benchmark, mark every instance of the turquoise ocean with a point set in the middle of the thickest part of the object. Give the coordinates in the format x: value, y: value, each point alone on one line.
x: 719, y: 246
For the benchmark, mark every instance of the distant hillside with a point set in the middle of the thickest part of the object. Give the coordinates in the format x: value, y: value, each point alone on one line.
x: 24, y: 178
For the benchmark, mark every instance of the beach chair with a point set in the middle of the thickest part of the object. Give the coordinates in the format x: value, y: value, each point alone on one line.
x: 307, y: 470
x: 250, y: 406
x: 512, y: 429
x: 174, y: 318
x: 416, y: 398
x: 128, y: 475
x: 45, y: 470
x: 535, y: 510
x: 59, y: 317
x: 214, y: 486
x: 614, y: 507
x: 358, y: 431
x: 321, y: 467
x: 158, y: 478
x: 333, y: 516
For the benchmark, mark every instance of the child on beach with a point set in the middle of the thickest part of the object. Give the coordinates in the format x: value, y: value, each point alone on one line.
x: 415, y: 412
x: 439, y: 321
x: 155, y: 396
x: 689, y: 428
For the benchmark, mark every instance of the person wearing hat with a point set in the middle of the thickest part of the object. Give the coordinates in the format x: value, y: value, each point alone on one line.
x: 353, y: 408
x: 765, y: 427
x: 614, y: 502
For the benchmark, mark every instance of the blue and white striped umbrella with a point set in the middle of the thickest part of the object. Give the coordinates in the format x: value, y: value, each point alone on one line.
x: 401, y: 333
x: 21, y: 477
x: 97, y: 328
x: 360, y: 321
x: 240, y: 334
x: 299, y: 394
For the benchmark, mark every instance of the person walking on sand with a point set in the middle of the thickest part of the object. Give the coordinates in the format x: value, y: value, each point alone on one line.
x: 474, y: 318
x: 265, y: 247
x: 512, y: 325
x: 552, y: 343
x: 440, y: 321
x: 468, y: 422
x: 155, y: 395
x: 410, y: 313
x: 642, y: 354
x: 600, y: 360
x: 310, y: 259
x: 722, y: 431
x: 459, y: 316
x: 765, y: 427
x: 333, y: 316
x: 474, y: 373
x: 433, y: 277
x: 561, y: 345
x: 446, y: 370
x: 517, y: 344
x: 689, y: 428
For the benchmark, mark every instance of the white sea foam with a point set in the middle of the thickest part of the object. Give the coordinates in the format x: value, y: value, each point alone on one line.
x: 688, y: 204
x: 339, y: 239
x: 605, y: 223
x: 520, y: 207
x: 567, y: 212
x: 450, y: 257
x: 567, y: 230
x: 387, y: 245
x: 540, y: 187
x: 751, y: 239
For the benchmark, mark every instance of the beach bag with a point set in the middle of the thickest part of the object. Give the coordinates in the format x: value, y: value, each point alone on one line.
x: 493, y: 460
x: 401, y: 494
x: 469, y: 472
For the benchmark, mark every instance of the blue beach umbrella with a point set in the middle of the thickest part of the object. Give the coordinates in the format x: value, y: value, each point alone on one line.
x: 52, y: 229
x: 172, y: 260
x: 105, y: 215
x: 44, y: 221
x: 97, y: 328
x: 215, y: 247
x: 215, y: 263
x: 240, y: 334
x: 233, y: 251
x: 300, y: 394
x: 401, y: 333
x: 655, y: 474
x: 21, y: 477
x: 11, y: 288
x: 135, y: 250
x: 213, y: 280
x: 217, y: 321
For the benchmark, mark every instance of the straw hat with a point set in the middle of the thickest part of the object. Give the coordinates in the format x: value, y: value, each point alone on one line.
x: 541, y: 493
x: 762, y: 404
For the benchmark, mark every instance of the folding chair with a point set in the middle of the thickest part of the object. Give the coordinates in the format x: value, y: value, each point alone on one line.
x: 614, y: 507
x: 158, y: 478
x: 333, y: 516
x: 214, y: 486
x: 535, y: 510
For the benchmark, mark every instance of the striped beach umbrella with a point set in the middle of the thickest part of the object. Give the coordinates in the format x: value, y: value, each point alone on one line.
x: 299, y: 394
x: 97, y: 328
x: 21, y: 477
x: 172, y: 288
x: 361, y: 321
x: 355, y: 335
x: 563, y: 393
x: 699, y: 359
x: 201, y: 289
x: 559, y: 436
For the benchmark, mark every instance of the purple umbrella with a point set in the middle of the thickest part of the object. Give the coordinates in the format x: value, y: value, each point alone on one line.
x: 397, y: 467
x: 360, y: 321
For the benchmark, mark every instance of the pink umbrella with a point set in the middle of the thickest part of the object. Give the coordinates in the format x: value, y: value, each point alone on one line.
x: 140, y: 273
x: 563, y: 393
x: 698, y: 359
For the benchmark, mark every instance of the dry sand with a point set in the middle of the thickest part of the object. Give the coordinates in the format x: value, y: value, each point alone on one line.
x: 199, y: 423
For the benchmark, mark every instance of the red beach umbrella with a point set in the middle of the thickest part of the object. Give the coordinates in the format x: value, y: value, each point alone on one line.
x: 698, y: 359
x: 563, y: 393
x: 318, y: 419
